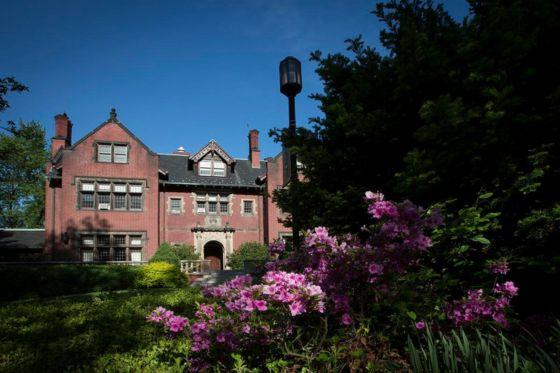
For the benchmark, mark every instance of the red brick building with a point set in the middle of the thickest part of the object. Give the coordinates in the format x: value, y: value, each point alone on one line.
x: 110, y: 198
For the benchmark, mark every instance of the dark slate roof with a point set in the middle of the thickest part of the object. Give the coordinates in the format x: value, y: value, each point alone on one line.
x: 176, y: 166
x: 22, y: 239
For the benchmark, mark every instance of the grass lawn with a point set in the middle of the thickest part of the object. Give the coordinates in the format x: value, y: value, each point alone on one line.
x: 87, y: 331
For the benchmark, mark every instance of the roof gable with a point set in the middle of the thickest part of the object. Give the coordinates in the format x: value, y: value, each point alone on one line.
x: 212, y: 146
x: 112, y: 119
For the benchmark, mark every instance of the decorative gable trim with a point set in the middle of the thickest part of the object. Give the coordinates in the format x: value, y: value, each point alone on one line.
x: 213, y: 146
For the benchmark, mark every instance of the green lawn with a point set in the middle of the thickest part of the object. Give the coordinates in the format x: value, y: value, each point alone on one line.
x: 93, y: 331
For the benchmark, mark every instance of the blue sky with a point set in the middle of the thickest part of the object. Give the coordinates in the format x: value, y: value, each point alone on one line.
x: 179, y: 73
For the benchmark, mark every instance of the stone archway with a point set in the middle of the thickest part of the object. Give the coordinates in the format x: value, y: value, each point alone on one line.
x: 222, y: 236
x: 214, y: 251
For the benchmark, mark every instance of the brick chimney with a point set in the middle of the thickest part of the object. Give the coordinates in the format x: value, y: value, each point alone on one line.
x: 62, y: 133
x: 254, y: 152
x: 181, y: 151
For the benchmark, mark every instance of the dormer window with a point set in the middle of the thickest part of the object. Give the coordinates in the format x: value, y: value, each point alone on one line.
x: 211, y: 167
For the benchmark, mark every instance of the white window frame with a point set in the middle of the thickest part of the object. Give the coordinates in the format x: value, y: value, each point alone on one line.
x: 212, y: 167
x: 104, y: 151
x: 205, y: 167
x: 120, y: 151
x: 108, y: 152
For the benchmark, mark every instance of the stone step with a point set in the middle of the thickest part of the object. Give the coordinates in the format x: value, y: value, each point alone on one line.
x: 217, y: 277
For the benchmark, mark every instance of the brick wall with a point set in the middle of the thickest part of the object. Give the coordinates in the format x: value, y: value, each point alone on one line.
x: 80, y: 161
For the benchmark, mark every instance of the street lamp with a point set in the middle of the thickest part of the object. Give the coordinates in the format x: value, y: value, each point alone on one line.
x: 290, y: 86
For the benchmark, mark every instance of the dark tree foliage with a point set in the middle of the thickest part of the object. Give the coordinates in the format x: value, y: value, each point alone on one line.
x: 23, y: 157
x: 9, y: 84
x: 460, y: 114
x: 22, y: 160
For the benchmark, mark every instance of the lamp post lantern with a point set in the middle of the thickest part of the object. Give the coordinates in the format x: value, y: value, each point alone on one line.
x: 290, y: 86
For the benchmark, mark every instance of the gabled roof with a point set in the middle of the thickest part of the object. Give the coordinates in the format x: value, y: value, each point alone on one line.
x: 178, y: 173
x: 212, y: 146
x: 113, y: 119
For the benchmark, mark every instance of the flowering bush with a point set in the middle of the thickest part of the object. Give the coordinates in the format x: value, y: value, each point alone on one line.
x: 345, y: 278
x: 240, y: 316
x: 353, y: 268
x: 478, y: 306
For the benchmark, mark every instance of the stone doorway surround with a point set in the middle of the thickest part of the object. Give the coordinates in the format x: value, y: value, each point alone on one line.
x: 203, y: 235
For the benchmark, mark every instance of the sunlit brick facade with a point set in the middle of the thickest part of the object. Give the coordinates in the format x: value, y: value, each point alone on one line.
x: 110, y: 198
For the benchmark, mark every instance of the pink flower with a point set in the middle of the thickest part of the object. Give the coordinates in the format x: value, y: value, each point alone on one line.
x: 508, y: 288
x: 420, y: 325
x: 260, y: 305
x: 198, y: 327
x: 176, y: 324
x: 374, y: 196
x: 296, y: 308
x: 499, y: 267
x: 346, y: 319
x: 383, y: 209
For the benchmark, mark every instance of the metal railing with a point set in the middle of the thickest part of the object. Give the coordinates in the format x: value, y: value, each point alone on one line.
x: 195, y: 266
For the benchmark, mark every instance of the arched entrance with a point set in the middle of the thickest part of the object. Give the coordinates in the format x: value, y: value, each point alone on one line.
x: 214, y: 251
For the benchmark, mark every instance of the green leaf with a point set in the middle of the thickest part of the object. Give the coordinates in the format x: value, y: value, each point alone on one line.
x: 412, y: 315
x: 486, y: 195
x: 481, y: 239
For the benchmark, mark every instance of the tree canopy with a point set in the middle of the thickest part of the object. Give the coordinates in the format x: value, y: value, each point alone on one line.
x: 22, y: 160
x: 459, y: 114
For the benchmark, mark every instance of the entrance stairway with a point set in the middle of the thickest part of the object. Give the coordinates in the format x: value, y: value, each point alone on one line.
x: 213, y: 278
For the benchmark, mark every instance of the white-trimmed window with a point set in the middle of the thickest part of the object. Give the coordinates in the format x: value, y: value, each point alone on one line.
x: 108, y: 195
x: 175, y: 205
x: 247, y: 207
x: 205, y: 168
x: 212, y: 204
x: 112, y: 153
x: 87, y: 255
x: 105, y: 247
x: 212, y: 167
x: 135, y: 255
x: 121, y: 153
x: 104, y: 153
x: 219, y: 168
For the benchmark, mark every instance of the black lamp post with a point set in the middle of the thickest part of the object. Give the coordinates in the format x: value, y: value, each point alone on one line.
x: 290, y: 86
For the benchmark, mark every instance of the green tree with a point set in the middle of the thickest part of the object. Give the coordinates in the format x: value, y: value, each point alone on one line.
x: 165, y: 253
x: 185, y: 252
x: 463, y: 114
x: 23, y: 157
x: 9, y: 84
x: 248, y: 251
x: 22, y: 160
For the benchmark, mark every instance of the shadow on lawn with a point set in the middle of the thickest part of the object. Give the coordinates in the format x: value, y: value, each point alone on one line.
x: 72, y: 332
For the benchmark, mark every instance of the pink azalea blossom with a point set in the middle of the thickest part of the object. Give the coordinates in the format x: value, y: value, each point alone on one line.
x: 346, y: 319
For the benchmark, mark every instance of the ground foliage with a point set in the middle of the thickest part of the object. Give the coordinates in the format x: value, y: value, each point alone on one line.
x: 462, y: 114
x: 18, y: 282
x: 93, y: 332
